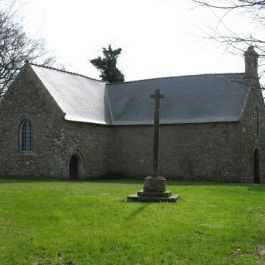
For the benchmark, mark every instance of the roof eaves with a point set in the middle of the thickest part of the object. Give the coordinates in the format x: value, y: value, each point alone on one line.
x: 177, y: 123
x: 85, y: 120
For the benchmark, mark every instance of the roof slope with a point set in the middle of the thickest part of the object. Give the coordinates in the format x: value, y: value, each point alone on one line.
x: 188, y: 99
x: 81, y: 98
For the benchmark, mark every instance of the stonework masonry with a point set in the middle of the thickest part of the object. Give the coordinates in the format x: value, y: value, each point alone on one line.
x: 54, y: 139
x: 248, y: 140
x: 220, y: 151
x: 187, y: 152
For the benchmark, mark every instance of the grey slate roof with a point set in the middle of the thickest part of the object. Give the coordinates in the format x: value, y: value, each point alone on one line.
x: 188, y: 99
x: 81, y: 98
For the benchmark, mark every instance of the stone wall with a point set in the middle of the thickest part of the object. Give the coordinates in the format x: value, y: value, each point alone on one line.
x: 54, y: 139
x: 27, y: 100
x: 210, y: 151
x: 207, y: 151
x: 249, y: 141
x: 91, y: 143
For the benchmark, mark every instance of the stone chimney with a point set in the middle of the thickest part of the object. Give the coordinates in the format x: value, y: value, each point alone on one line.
x: 251, y: 63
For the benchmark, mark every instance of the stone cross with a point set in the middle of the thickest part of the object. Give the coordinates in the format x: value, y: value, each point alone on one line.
x: 157, y: 96
x: 154, y: 186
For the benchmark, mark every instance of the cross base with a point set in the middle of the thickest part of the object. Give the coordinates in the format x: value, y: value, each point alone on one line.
x: 154, y: 191
x: 153, y: 184
x: 136, y: 198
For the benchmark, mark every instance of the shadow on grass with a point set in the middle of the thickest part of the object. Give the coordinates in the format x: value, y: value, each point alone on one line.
x: 137, y: 211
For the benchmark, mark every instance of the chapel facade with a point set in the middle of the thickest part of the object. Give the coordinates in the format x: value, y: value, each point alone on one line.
x: 64, y: 125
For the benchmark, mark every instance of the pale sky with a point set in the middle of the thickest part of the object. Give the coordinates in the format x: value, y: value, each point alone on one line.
x: 158, y: 37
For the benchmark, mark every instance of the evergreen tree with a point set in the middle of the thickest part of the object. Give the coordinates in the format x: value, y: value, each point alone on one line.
x: 108, y: 65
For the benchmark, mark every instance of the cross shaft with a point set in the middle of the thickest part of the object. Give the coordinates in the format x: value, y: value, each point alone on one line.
x: 157, y: 96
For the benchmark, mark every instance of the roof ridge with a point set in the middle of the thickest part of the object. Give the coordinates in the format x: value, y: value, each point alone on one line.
x: 164, y: 77
x: 65, y: 71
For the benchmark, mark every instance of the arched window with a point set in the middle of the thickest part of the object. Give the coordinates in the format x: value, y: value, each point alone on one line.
x: 26, y: 136
x: 256, y: 121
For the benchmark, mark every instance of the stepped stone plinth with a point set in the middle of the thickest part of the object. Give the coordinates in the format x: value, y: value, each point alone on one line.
x: 154, y: 191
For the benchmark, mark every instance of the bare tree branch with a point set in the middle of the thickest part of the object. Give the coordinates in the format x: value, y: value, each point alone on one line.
x: 253, y: 9
x: 225, y: 32
x: 232, y: 4
x: 16, y: 48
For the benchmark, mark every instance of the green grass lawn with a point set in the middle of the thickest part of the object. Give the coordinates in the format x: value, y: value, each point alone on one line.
x: 89, y: 222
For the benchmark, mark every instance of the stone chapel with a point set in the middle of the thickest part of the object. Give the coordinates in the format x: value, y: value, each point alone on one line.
x: 65, y: 125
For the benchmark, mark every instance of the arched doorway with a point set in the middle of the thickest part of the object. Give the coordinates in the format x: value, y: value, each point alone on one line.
x: 74, y: 167
x: 256, y: 167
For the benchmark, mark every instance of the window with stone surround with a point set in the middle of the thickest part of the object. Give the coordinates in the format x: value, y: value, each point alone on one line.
x: 256, y: 121
x: 26, y: 136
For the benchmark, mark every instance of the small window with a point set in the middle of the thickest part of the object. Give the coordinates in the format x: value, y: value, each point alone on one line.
x: 26, y: 136
x: 256, y: 121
